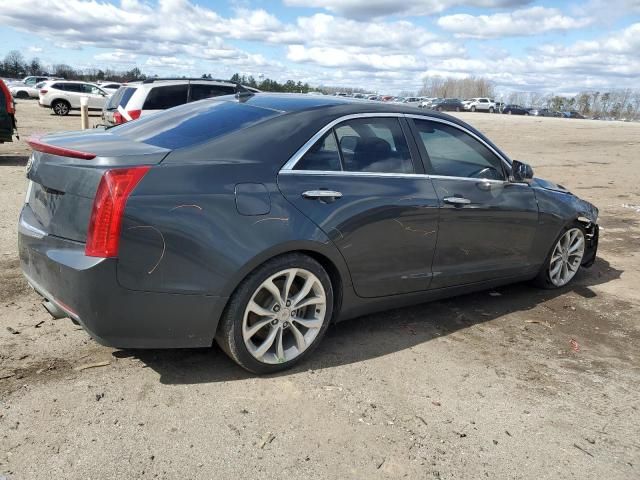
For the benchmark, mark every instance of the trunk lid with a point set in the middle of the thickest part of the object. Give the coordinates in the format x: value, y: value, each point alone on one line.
x: 62, y: 188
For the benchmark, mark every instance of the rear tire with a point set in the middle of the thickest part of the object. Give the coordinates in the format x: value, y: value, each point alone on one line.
x: 564, y: 260
x: 261, y: 328
x: 61, y: 107
x: 491, y: 110
x: 22, y: 95
x: 473, y: 108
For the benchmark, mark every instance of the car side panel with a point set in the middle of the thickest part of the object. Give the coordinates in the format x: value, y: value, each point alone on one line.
x: 183, y: 233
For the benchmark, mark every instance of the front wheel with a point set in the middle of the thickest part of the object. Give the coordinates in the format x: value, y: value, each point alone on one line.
x: 277, y: 315
x: 473, y: 109
x: 564, y: 261
x: 491, y: 110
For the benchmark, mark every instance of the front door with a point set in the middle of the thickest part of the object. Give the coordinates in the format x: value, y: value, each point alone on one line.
x: 365, y: 188
x: 487, y: 224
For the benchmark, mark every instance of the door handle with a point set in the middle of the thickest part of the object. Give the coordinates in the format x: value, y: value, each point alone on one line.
x: 328, y: 194
x: 458, y: 201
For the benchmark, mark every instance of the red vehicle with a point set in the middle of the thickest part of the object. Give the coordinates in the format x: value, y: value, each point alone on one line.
x: 7, y: 114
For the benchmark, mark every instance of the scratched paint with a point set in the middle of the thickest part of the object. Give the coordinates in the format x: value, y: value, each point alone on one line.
x: 164, y: 245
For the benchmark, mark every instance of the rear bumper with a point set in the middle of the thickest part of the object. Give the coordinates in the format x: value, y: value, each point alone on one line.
x: 86, y: 290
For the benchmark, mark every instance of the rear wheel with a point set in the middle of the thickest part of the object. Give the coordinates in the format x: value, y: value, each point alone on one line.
x: 473, y: 108
x: 277, y: 315
x: 564, y: 260
x: 61, y: 107
x: 491, y: 110
x: 22, y: 94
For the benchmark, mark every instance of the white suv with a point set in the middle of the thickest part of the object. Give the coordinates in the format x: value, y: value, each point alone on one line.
x: 138, y: 99
x: 62, y: 96
x: 480, y: 105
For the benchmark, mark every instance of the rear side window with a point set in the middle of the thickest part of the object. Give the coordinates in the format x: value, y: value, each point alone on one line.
x: 73, y: 87
x: 191, y: 124
x: 201, y: 91
x: 120, y: 98
x: 161, y: 98
x: 361, y: 145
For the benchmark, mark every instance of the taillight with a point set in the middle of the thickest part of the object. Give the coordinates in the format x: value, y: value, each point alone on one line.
x: 103, y: 234
x: 43, y: 91
x: 60, y: 151
x: 134, y: 114
x: 126, y: 116
x: 118, y: 118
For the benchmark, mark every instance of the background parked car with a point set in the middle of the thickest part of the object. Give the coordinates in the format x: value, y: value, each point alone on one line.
x: 480, y: 104
x: 448, y: 105
x: 544, y: 112
x: 572, y: 114
x: 138, y: 99
x: 512, y: 109
x: 28, y: 87
x: 64, y: 96
x: 413, y: 101
x: 7, y: 114
x: 110, y: 87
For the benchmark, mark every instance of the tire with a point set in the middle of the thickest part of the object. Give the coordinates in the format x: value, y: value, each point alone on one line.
x: 473, y: 108
x: 526, y: 114
x: 22, y: 95
x: 491, y: 110
x: 61, y: 107
x: 440, y: 109
x: 545, y: 278
x: 253, y: 304
x: 509, y: 112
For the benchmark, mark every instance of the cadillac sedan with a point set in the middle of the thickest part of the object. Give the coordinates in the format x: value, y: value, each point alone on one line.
x: 258, y: 220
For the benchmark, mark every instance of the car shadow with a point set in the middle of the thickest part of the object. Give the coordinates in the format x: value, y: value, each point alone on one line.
x: 375, y: 335
x: 13, y: 160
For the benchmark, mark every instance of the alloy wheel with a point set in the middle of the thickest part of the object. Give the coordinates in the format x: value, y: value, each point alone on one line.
x: 284, y: 316
x: 61, y: 108
x: 566, y: 257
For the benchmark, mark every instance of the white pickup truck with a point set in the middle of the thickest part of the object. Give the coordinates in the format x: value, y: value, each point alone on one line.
x: 480, y: 105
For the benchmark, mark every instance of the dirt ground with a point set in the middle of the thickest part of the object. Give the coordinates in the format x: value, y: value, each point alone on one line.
x: 520, y: 384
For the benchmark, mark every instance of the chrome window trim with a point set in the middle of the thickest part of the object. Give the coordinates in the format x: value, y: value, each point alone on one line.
x: 355, y: 174
x: 288, y: 168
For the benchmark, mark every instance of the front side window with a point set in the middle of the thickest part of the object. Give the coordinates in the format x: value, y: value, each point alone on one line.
x: 454, y: 153
x: 161, y: 98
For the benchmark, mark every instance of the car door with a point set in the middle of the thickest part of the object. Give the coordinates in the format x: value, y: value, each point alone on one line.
x: 361, y: 181
x: 96, y: 96
x: 487, y: 223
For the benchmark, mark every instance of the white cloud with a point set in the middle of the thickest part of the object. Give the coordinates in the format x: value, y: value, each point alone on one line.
x: 524, y: 22
x: 365, y: 9
x: 117, y: 56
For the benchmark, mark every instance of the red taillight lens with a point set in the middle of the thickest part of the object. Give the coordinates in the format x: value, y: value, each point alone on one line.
x: 103, y: 234
x: 134, y: 114
x: 44, y: 91
x: 118, y: 118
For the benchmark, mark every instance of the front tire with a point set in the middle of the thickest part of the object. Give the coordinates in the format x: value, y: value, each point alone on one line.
x: 277, y: 315
x: 491, y: 110
x: 61, y: 107
x: 564, y: 260
x: 473, y: 109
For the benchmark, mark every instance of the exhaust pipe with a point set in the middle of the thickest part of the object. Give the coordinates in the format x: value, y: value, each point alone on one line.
x: 55, y: 311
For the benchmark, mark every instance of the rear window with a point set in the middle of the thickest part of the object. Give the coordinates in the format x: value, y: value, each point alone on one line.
x: 120, y: 98
x: 161, y: 98
x: 201, y: 91
x: 192, y: 124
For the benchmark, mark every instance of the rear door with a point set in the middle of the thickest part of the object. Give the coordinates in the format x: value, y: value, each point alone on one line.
x: 363, y: 184
x: 487, y: 224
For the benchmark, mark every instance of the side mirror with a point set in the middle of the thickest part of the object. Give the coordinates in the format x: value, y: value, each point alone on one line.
x: 521, y: 172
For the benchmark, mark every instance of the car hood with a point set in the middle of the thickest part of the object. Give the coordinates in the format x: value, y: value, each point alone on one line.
x: 549, y: 185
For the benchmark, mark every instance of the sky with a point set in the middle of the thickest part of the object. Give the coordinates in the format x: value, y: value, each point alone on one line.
x: 384, y: 46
